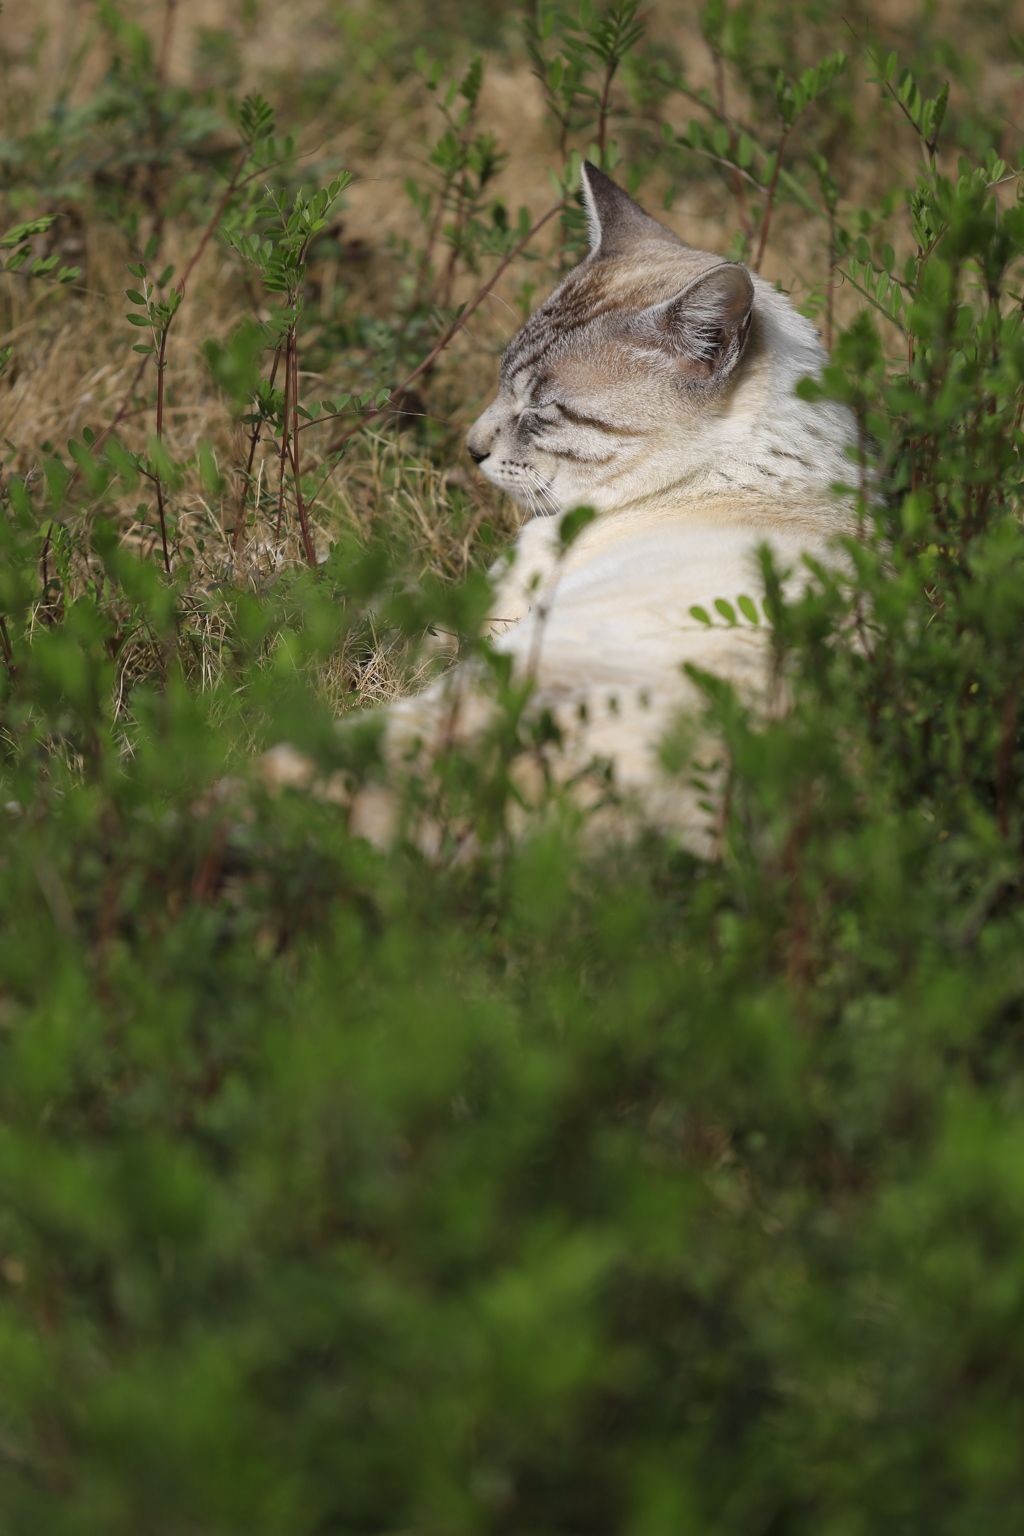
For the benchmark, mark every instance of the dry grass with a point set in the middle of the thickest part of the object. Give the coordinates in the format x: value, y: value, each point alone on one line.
x: 74, y: 366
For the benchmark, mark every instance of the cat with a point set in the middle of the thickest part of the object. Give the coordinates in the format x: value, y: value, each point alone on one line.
x: 655, y: 386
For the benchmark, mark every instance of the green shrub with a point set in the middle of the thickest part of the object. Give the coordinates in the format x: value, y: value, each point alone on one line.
x: 533, y: 1188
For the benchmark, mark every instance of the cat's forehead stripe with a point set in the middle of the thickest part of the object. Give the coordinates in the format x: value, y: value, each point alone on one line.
x: 561, y: 325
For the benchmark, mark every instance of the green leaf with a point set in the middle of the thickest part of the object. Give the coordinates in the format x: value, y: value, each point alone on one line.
x: 938, y: 115
x: 700, y: 614
x: 747, y: 608
x: 20, y: 232
x: 726, y: 609
x: 572, y: 525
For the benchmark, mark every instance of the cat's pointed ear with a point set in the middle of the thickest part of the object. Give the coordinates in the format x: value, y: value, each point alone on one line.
x: 706, y: 324
x: 617, y: 224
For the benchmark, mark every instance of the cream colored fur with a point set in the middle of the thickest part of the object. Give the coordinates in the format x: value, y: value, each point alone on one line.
x: 656, y: 385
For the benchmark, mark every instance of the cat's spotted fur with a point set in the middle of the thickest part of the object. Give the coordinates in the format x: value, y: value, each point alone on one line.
x: 656, y: 385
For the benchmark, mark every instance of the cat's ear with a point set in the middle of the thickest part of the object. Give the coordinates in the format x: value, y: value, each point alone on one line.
x: 617, y: 224
x: 706, y: 324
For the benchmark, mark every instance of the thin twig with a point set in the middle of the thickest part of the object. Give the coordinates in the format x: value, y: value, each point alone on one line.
x: 769, y: 205
x: 170, y: 9
x: 742, y: 211
x: 307, y: 542
x: 709, y: 154
x: 161, y: 364
x: 723, y: 117
x: 602, y: 115
x: 284, y: 433
x: 233, y: 185
x: 930, y: 144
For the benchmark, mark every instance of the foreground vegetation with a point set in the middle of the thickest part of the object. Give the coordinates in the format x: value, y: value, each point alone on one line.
x: 538, y: 1186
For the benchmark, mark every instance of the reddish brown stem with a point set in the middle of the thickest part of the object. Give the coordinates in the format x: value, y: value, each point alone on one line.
x: 161, y: 363
x: 232, y: 188
x: 163, y: 521
x: 170, y: 8
x: 285, y: 426
x: 770, y: 204
x: 300, y: 506
x: 602, y: 115
x: 738, y: 190
x: 450, y: 334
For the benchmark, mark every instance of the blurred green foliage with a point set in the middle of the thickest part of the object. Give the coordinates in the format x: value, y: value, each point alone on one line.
x: 535, y: 1187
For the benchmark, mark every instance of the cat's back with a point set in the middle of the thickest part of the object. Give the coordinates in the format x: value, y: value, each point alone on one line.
x: 616, y: 608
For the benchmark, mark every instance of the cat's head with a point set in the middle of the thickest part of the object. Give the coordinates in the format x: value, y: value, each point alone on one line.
x: 635, y: 351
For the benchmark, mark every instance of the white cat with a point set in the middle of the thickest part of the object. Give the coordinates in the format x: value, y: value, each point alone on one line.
x: 657, y: 386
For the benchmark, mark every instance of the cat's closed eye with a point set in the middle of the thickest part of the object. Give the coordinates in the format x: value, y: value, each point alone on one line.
x: 535, y: 417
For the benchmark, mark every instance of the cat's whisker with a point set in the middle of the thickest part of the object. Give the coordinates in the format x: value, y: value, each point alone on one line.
x: 542, y: 497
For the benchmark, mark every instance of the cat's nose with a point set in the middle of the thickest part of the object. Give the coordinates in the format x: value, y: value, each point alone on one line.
x: 480, y: 438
